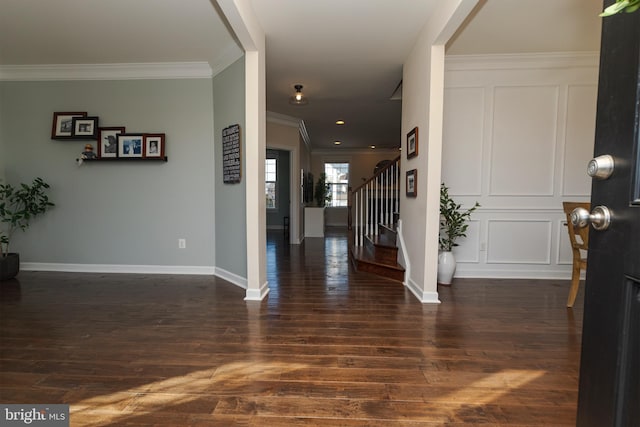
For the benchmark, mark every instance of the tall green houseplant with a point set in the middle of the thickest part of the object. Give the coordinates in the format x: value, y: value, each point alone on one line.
x: 454, y: 220
x: 18, y: 206
x: 322, y: 191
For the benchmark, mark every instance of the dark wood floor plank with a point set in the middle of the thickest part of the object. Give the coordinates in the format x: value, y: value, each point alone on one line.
x: 327, y: 347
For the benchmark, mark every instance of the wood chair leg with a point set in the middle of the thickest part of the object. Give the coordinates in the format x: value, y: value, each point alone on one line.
x: 575, y: 285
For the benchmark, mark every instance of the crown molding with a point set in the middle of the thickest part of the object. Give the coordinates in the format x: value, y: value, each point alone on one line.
x: 283, y: 119
x: 294, y: 122
x: 230, y: 55
x: 133, y: 71
x: 522, y: 61
x: 342, y: 151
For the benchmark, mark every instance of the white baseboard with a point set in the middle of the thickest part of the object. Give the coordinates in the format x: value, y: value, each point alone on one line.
x: 137, y: 269
x: 231, y: 277
x: 117, y: 268
x: 513, y: 274
x: 257, y: 294
x: 423, y: 297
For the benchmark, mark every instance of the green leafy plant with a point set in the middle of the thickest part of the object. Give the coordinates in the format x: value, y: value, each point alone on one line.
x: 627, y: 6
x: 18, y: 206
x: 453, y: 220
x: 322, y: 192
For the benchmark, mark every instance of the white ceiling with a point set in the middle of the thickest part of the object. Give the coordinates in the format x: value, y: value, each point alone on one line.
x: 347, y: 54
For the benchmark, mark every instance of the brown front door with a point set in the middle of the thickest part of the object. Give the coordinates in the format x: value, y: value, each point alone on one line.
x: 610, y: 362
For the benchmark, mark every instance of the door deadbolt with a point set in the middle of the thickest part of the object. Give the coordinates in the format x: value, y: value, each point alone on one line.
x: 601, y: 167
x: 599, y: 218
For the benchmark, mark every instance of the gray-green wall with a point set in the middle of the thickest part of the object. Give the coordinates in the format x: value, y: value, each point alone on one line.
x: 122, y: 213
x: 231, y: 230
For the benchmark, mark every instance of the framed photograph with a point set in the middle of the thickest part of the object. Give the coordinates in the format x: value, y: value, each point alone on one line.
x: 130, y: 145
x: 108, y: 141
x: 153, y: 145
x: 412, y: 183
x: 63, y: 124
x: 85, y: 127
x: 412, y: 143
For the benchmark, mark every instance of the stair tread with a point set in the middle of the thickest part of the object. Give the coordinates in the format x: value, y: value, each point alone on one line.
x: 391, y: 227
x: 361, y: 254
x: 381, y: 240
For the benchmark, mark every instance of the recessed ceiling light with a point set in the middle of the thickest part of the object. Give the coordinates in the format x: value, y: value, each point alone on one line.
x: 372, y: 146
x: 337, y: 142
x: 340, y: 122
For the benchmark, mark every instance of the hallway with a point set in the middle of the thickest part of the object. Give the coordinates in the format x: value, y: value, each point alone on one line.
x: 328, y: 347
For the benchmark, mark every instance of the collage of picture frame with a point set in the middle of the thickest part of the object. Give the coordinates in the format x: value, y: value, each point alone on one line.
x: 113, y: 142
x: 412, y: 175
x: 74, y: 125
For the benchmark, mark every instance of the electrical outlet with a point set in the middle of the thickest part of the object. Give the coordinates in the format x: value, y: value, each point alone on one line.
x: 182, y: 243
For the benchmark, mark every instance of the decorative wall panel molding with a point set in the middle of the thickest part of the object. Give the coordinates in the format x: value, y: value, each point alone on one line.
x: 523, y: 141
x: 464, y: 132
x: 581, y: 103
x: 528, y: 123
x: 512, y: 241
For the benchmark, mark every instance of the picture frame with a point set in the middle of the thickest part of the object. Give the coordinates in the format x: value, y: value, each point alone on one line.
x: 108, y: 141
x: 412, y: 143
x: 62, y: 127
x: 153, y: 145
x: 85, y: 127
x: 412, y: 183
x: 130, y: 145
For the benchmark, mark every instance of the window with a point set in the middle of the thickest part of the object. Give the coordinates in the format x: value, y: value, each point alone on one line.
x: 338, y: 181
x: 270, y: 182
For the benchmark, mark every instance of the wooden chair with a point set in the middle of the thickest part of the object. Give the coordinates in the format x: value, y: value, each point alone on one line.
x: 579, y: 238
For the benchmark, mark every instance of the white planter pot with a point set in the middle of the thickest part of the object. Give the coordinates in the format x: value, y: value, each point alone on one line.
x: 446, y: 267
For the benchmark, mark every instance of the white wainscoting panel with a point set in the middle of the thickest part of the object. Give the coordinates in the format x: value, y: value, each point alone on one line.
x: 518, y: 133
x: 581, y: 103
x: 564, y: 253
x: 524, y: 140
x: 463, y: 135
x: 519, y: 241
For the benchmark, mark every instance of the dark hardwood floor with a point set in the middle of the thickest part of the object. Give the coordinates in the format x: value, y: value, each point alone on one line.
x: 329, y: 347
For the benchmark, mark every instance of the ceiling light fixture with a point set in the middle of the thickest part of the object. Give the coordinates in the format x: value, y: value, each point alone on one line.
x: 337, y: 142
x: 372, y: 147
x: 340, y: 122
x: 298, y: 98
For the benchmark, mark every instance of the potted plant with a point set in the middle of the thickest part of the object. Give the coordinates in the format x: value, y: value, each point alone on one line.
x: 322, y: 191
x: 454, y: 222
x: 18, y: 206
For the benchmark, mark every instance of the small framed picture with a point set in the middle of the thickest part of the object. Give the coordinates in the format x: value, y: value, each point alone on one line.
x: 153, y: 145
x: 108, y: 141
x: 412, y: 183
x: 85, y: 127
x: 130, y: 145
x: 412, y: 143
x: 63, y: 124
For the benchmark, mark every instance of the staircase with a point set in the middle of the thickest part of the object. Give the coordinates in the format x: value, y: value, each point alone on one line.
x: 373, y: 213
